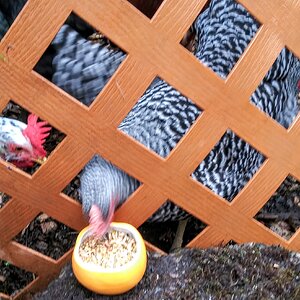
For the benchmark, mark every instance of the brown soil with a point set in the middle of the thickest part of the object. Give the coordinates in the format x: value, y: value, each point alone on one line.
x: 234, y: 272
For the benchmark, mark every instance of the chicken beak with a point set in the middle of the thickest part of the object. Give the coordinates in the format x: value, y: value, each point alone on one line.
x: 39, y: 160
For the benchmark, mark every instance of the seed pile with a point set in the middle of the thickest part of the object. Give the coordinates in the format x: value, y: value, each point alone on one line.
x: 113, y: 250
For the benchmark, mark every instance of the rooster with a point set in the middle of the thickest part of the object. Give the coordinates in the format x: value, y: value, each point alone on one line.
x: 162, y: 116
x: 22, y: 144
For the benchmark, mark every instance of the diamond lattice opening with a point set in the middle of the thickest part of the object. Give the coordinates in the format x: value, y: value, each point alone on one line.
x: 80, y: 60
x: 13, y: 279
x: 160, y: 229
x: 148, y: 8
x: 222, y: 32
x: 9, y: 10
x: 101, y: 183
x: 160, y: 118
x: 229, y: 166
x: 230, y: 243
x: 21, y: 148
x: 47, y: 236
x: 282, y: 212
x: 191, y: 38
x: 278, y: 93
x: 73, y: 189
x: 4, y: 198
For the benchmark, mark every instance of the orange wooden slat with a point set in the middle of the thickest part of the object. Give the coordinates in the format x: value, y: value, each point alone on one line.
x: 153, y: 50
x: 174, y: 21
x: 14, y: 217
x: 210, y: 236
x: 255, y: 62
x: 32, y: 32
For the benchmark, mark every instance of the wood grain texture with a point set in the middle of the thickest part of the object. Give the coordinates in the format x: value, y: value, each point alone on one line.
x: 208, y: 237
x: 251, y: 68
x: 153, y: 49
x: 145, y: 201
x: 14, y: 216
x: 174, y: 21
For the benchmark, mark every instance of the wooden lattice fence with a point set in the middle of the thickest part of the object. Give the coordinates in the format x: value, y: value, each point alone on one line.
x: 153, y: 47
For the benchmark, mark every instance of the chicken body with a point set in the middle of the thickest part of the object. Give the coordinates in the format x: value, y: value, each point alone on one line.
x: 162, y: 116
x: 82, y: 67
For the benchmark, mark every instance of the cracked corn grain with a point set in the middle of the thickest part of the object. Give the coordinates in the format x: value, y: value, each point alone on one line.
x: 113, y: 250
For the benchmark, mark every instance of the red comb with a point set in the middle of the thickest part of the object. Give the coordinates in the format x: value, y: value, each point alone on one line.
x: 37, y: 133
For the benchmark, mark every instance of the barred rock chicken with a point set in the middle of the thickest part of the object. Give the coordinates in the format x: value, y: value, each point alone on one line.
x: 22, y: 144
x: 82, y: 67
x: 9, y: 10
x: 162, y: 115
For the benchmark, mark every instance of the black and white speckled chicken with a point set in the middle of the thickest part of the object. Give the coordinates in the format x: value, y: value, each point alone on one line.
x: 83, y: 67
x: 9, y: 10
x: 162, y: 115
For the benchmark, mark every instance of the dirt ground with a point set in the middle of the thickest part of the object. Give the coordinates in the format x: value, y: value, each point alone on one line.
x: 248, y: 271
